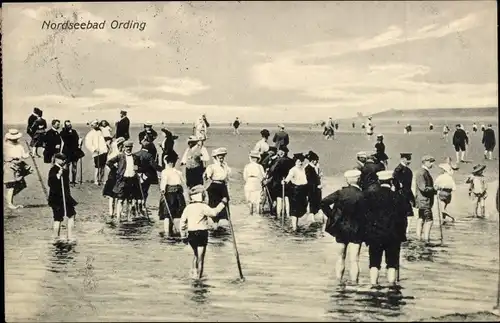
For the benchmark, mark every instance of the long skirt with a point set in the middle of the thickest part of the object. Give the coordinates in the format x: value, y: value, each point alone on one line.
x: 298, y: 200
x: 253, y: 189
x: 110, y: 184
x: 127, y: 188
x: 217, y: 191
x: 37, y: 139
x: 314, y: 197
x: 194, y: 176
x: 174, y: 199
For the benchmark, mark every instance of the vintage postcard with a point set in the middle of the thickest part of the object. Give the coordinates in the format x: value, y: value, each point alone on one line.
x: 250, y: 161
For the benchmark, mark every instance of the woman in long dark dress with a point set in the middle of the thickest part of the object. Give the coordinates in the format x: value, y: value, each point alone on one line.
x: 39, y: 129
x: 218, y: 174
x: 313, y: 175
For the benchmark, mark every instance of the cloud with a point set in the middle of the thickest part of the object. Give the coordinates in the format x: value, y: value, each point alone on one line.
x: 181, y: 86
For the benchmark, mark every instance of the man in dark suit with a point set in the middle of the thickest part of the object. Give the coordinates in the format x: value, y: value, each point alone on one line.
x: 385, y: 227
x: 402, y: 179
x: 123, y: 126
x: 424, y: 198
x: 460, y: 142
x: 60, y: 199
x: 281, y: 138
x: 147, y: 172
x: 344, y: 218
x: 489, y: 142
x: 148, y: 136
x: 53, y: 142
x: 127, y: 182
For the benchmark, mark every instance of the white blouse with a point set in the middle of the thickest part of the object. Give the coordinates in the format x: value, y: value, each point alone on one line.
x: 297, y: 176
x: 14, y: 151
x: 170, y: 176
x: 261, y: 146
x: 218, y: 172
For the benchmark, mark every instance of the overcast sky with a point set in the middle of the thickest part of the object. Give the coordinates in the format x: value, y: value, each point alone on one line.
x: 275, y: 61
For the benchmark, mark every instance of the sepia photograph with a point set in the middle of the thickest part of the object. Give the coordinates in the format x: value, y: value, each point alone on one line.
x: 241, y: 161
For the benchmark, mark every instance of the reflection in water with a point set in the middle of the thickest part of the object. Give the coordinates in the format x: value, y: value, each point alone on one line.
x: 200, y: 291
x: 62, y: 254
x: 135, y: 230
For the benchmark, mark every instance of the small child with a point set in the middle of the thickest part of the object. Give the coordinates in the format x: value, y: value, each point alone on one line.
x: 172, y: 201
x: 253, y: 174
x: 478, y: 189
x: 60, y: 199
x: 445, y: 185
x: 194, y: 226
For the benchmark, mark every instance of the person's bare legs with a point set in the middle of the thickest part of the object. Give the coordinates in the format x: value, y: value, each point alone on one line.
x: 96, y: 176
x: 71, y: 225
x: 427, y: 230
x: 392, y: 275
x: 9, y: 196
x: 295, y: 221
x: 353, y: 250
x: 374, y: 276
x: 201, y: 260
x: 56, y: 230
x: 340, y: 265
x: 420, y: 226
x: 279, y: 206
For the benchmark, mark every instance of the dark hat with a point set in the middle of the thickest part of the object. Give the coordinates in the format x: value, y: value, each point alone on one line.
x: 123, y: 112
x: 298, y: 156
x: 265, y: 133
x: 171, y: 157
x: 284, y: 149
x: 458, y: 125
x: 37, y: 111
x: 60, y: 156
x: 311, y: 155
x: 478, y: 168
x: 406, y: 155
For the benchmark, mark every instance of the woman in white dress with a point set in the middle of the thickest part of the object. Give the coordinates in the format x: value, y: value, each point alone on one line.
x: 14, y: 168
x: 253, y: 174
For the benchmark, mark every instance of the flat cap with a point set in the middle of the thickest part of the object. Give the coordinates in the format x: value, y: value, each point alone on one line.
x: 196, y: 190
x: 428, y: 158
x: 219, y: 151
x: 406, y: 155
x: 120, y: 140
x: 60, y: 156
x: 281, y: 125
x: 353, y: 173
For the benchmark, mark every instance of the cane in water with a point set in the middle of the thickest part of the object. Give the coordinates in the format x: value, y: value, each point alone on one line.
x: 439, y: 218
x: 237, y: 255
x: 38, y: 174
x: 283, y: 203
x: 81, y: 171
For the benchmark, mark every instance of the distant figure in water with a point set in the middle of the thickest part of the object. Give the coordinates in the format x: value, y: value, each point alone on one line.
x: 380, y: 148
x: 336, y: 125
x: 474, y: 127
x: 353, y: 125
x: 281, y: 138
x: 446, y: 131
x: 363, y: 126
x: 408, y: 129
x: 489, y: 142
x: 431, y: 126
x: 236, y: 125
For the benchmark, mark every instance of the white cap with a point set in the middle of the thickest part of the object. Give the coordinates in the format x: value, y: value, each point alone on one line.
x: 384, y: 175
x: 353, y: 173
x: 446, y: 167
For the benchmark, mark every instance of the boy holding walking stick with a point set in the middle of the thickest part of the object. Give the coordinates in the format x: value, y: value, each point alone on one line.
x: 60, y: 199
x: 194, y: 226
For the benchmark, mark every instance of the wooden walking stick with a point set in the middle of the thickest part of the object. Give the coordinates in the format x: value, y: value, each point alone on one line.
x: 234, y: 243
x: 283, y: 204
x: 38, y: 174
x: 439, y: 217
x: 81, y: 170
